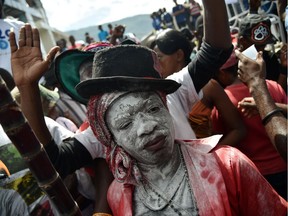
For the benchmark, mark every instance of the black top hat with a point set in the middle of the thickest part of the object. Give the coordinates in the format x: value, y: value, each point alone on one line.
x: 125, y: 68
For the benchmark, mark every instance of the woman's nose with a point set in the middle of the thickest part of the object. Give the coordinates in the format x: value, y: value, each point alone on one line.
x: 146, y: 125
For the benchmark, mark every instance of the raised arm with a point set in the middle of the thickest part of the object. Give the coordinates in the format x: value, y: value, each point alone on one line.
x: 252, y: 73
x: 216, y: 47
x: 216, y: 25
x: 235, y: 129
x: 28, y: 67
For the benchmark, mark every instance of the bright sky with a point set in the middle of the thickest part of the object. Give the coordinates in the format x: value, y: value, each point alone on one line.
x: 67, y: 15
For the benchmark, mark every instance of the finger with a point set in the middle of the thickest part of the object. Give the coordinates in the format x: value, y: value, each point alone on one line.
x: 239, y: 73
x: 248, y: 99
x: 51, y: 55
x: 28, y: 35
x: 36, y: 38
x: 12, y: 41
x: 259, y: 56
x: 22, y: 41
x: 239, y: 55
x: 246, y: 105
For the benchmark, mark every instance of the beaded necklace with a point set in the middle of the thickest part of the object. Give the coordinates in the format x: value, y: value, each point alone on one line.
x: 167, y: 200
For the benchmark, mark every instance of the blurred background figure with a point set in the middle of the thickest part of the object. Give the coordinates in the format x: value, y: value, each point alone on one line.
x: 62, y: 43
x: 167, y: 19
x: 156, y: 21
x: 195, y: 11
x: 88, y: 38
x: 102, y: 34
x: 180, y: 14
x: 110, y: 27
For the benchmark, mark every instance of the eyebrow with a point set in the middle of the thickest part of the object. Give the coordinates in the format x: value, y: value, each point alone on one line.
x: 118, y: 119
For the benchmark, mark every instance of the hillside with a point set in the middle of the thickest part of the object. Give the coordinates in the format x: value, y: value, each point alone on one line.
x: 140, y: 25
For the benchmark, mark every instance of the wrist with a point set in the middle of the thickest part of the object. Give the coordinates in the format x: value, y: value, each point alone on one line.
x: 28, y: 87
x: 255, y: 84
x: 270, y: 114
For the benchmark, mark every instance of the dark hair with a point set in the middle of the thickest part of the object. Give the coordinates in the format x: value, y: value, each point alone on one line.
x: 170, y: 40
x: 8, y: 78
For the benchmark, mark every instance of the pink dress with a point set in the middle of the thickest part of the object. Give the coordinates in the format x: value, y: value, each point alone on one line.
x: 224, y: 182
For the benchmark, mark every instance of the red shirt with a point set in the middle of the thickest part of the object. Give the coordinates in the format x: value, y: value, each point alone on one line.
x: 256, y: 145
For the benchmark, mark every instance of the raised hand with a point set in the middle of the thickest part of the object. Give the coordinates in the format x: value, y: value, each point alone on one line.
x: 250, y: 71
x: 27, y: 62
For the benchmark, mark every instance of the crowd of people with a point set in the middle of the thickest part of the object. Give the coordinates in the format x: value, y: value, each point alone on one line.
x: 181, y: 16
x: 178, y: 124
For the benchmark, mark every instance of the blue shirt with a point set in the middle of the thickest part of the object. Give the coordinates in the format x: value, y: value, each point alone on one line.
x: 103, y: 35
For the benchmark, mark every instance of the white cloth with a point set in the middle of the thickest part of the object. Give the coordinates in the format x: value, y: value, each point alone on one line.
x: 180, y: 103
x: 58, y: 132
x: 5, y: 53
x: 88, y: 139
x: 4, y: 139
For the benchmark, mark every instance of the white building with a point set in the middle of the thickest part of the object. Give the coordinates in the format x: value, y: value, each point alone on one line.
x: 32, y: 11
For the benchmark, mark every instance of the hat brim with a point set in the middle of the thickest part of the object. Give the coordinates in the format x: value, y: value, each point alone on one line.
x: 67, y: 71
x: 95, y: 86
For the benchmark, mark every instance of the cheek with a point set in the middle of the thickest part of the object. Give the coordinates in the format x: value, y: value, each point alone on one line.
x: 165, y: 119
x: 167, y: 64
x: 126, y: 140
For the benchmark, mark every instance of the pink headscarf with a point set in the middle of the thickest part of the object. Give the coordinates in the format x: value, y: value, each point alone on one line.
x: 122, y: 165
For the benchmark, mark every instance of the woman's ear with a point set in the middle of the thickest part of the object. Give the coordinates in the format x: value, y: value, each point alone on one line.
x: 180, y: 55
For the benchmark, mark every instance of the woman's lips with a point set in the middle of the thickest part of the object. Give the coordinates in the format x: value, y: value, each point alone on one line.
x: 155, y: 144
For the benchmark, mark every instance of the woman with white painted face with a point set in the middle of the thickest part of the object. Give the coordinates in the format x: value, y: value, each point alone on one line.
x: 154, y: 173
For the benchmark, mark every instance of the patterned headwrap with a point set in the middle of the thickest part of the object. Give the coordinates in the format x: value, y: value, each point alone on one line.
x: 122, y: 165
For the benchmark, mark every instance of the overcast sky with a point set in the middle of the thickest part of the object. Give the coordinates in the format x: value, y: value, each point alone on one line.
x: 67, y: 15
